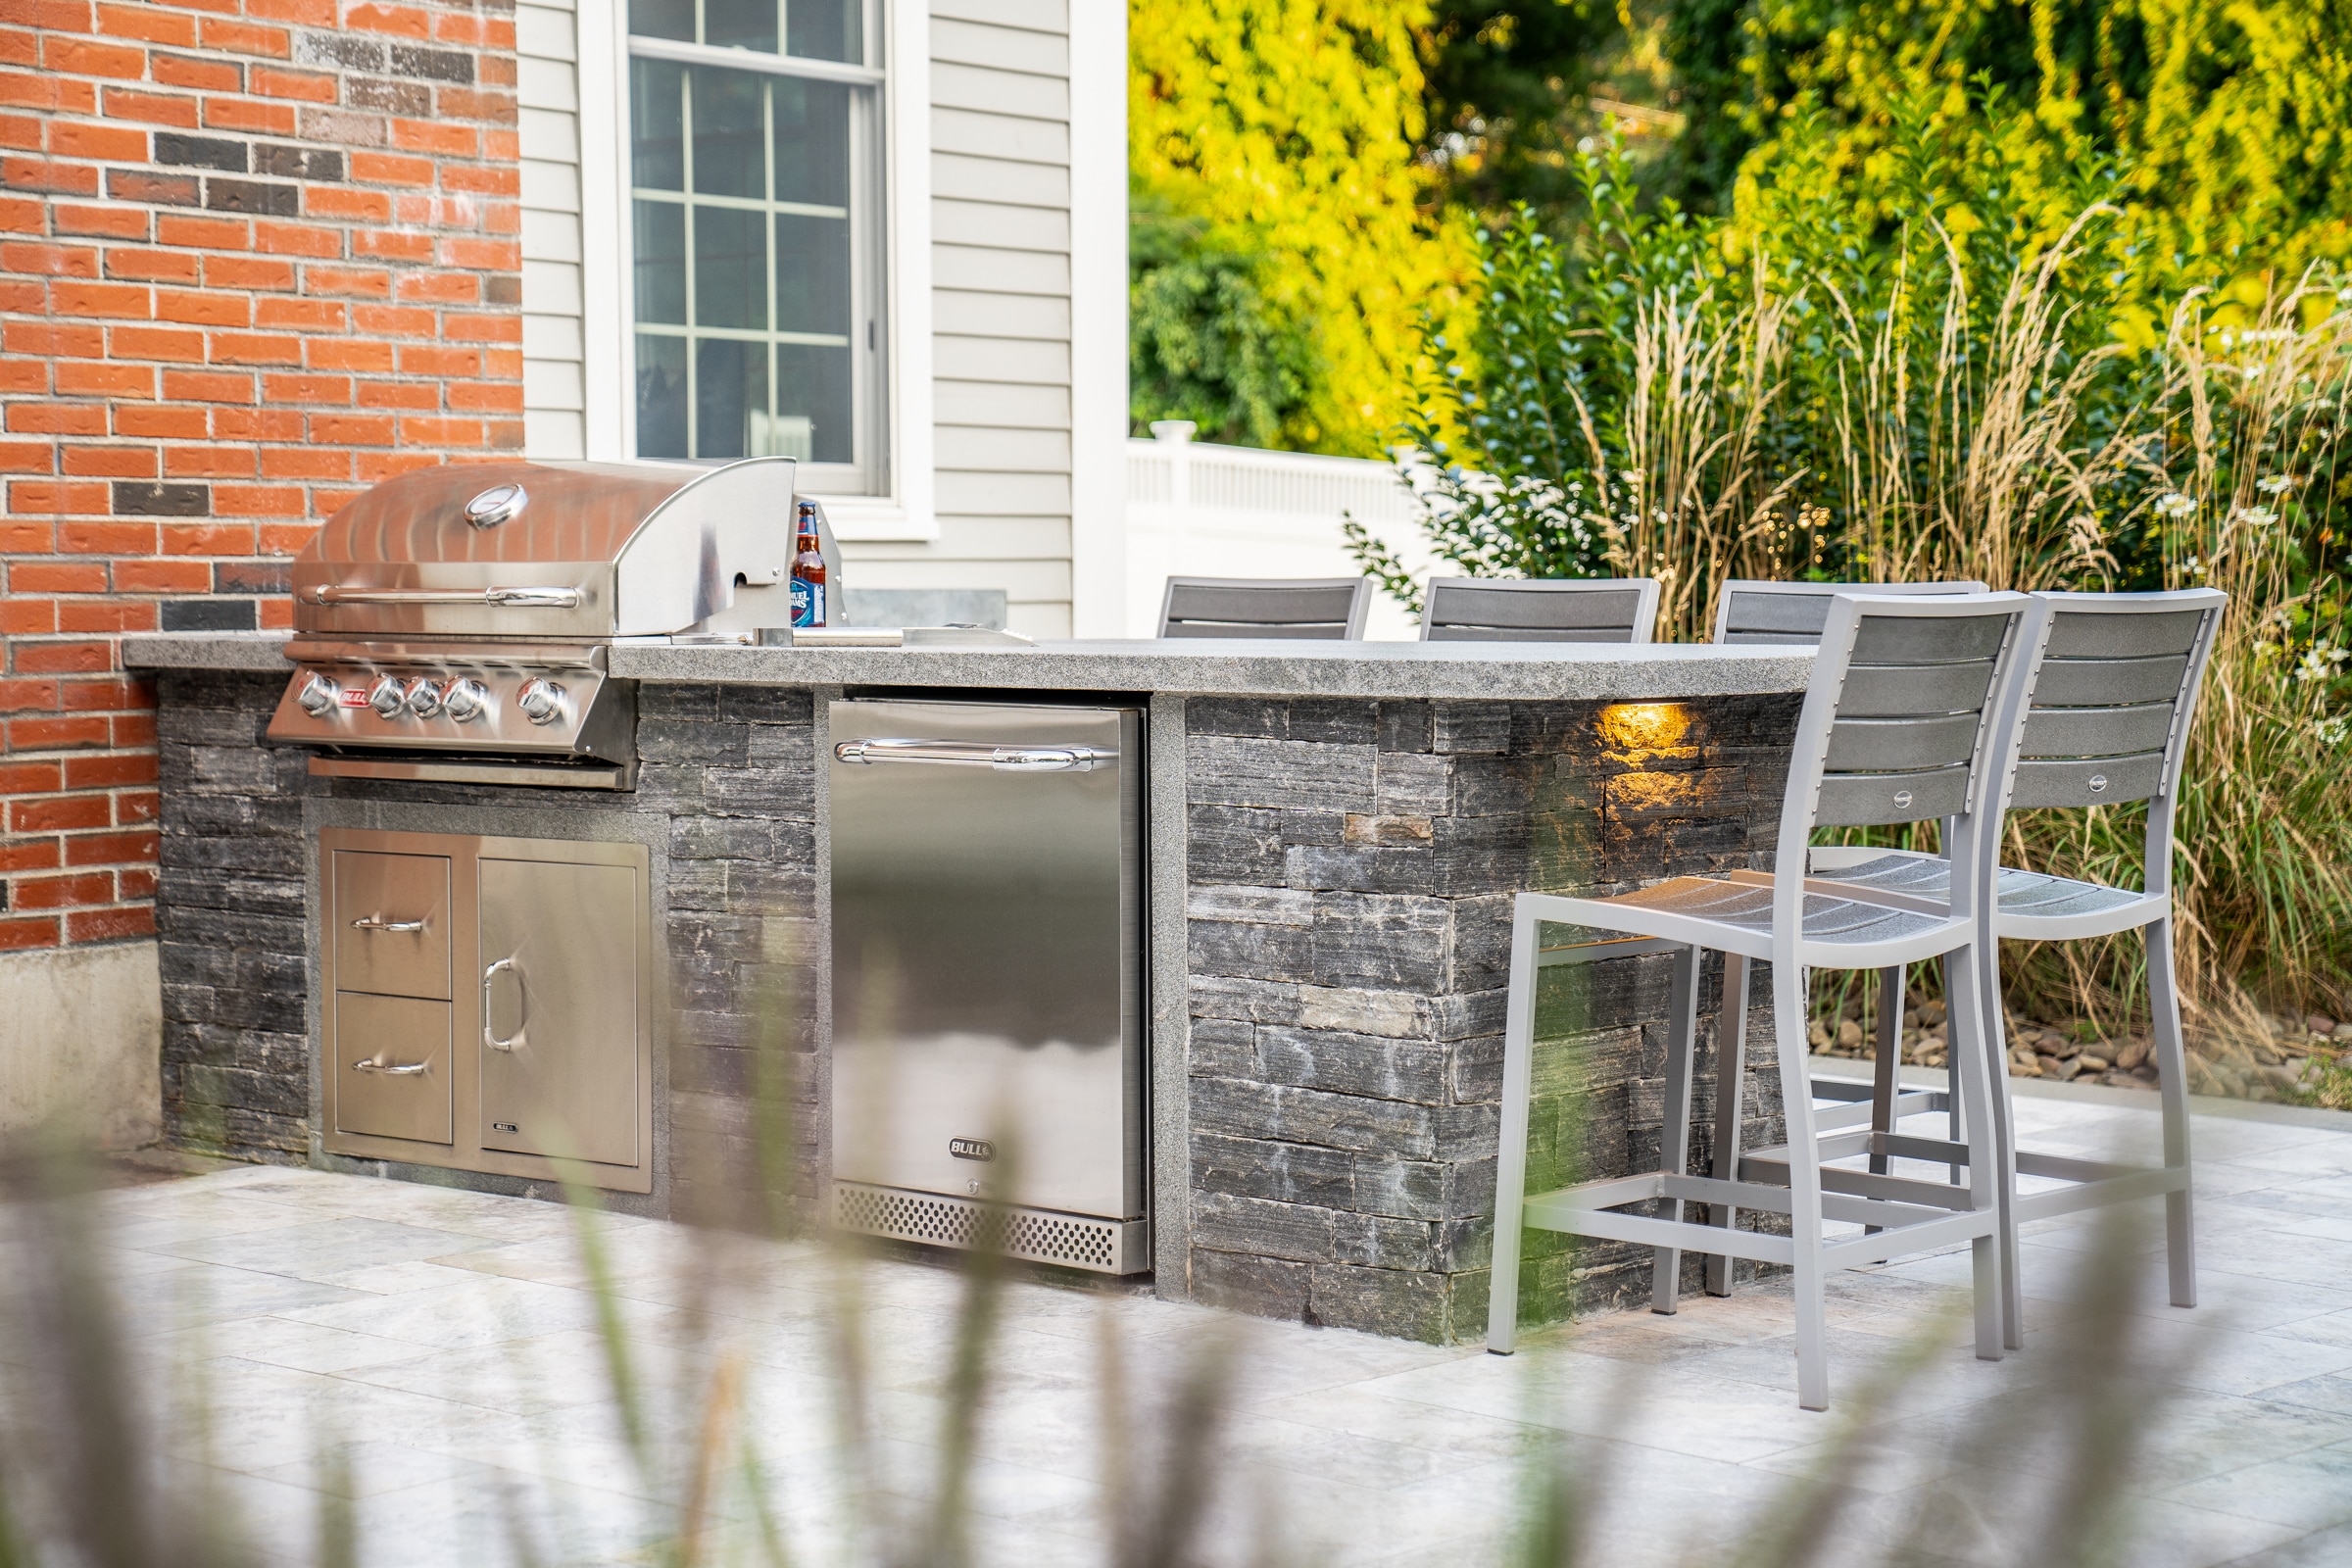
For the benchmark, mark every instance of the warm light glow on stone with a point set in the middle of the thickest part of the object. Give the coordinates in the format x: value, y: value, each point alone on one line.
x: 1644, y: 726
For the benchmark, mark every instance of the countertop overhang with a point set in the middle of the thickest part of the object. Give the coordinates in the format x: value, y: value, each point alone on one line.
x: 1402, y: 671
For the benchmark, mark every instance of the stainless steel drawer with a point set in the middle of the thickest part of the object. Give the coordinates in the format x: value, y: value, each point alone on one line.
x: 391, y: 923
x: 392, y: 1077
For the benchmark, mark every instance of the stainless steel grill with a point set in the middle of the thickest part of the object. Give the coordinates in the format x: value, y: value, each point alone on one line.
x: 452, y: 623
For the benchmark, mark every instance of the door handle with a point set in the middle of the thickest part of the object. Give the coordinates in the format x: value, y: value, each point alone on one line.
x: 530, y: 598
x: 377, y: 922
x: 978, y: 754
x: 376, y: 1064
x: 515, y: 1040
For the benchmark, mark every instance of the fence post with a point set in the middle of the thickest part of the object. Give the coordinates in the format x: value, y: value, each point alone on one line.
x: 1177, y: 436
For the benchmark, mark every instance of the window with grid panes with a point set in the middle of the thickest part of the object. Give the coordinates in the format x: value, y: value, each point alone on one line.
x: 756, y: 215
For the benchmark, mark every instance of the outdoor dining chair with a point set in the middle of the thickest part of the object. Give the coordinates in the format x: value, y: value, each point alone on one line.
x: 1556, y: 609
x: 1326, y: 607
x: 1895, y: 729
x: 1794, y: 613
x: 2097, y: 712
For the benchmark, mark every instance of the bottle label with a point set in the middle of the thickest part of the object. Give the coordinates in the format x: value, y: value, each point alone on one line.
x: 808, y: 602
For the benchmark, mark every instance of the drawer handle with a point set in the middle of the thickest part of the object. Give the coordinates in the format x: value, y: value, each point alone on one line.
x: 377, y: 1063
x: 515, y: 1040
x: 377, y: 922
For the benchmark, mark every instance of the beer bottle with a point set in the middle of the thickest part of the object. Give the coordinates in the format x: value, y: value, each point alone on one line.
x: 808, y: 571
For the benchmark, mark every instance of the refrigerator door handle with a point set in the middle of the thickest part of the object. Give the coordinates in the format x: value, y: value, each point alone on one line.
x: 1014, y: 758
x: 521, y: 1023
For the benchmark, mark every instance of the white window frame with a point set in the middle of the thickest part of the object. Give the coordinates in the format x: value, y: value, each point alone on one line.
x: 901, y: 504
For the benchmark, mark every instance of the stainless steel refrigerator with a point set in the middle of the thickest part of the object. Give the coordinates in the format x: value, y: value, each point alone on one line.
x: 987, y: 1032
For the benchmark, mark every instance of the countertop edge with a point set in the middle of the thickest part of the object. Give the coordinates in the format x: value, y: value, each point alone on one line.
x: 1403, y: 671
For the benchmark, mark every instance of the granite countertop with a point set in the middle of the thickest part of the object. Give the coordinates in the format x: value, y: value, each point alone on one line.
x: 1232, y: 668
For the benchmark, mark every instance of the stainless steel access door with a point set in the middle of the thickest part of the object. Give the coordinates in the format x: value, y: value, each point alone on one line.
x: 987, y: 960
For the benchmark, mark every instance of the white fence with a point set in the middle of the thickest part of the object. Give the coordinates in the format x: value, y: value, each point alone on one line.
x: 1197, y: 509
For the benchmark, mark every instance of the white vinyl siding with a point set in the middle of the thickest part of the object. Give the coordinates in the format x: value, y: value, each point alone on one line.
x: 554, y: 376
x: 1001, y: 298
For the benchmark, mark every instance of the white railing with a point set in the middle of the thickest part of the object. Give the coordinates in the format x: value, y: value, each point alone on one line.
x: 1199, y: 510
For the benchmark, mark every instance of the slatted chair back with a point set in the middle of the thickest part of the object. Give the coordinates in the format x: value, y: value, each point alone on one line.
x: 1793, y: 612
x: 1326, y: 607
x: 1899, y: 723
x: 2107, y: 697
x: 1566, y: 609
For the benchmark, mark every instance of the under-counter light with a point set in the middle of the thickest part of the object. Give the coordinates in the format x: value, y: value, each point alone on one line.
x: 1646, y: 726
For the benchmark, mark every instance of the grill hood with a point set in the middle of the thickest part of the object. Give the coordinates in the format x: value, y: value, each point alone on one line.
x: 554, y: 550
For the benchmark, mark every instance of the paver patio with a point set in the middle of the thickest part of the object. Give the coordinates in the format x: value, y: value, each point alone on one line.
x: 449, y: 1341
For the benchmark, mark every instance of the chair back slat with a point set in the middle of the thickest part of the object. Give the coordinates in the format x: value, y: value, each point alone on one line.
x: 2105, y: 702
x: 1893, y: 691
x: 1597, y: 610
x: 1321, y: 608
x: 1858, y: 800
x: 1889, y: 640
x: 1790, y: 613
x: 1902, y: 745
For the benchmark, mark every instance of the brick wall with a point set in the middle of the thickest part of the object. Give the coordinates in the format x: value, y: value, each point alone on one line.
x: 255, y: 255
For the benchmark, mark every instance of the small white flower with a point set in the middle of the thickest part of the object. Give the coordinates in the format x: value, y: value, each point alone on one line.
x: 2275, y: 483
x: 2174, y: 505
x: 2254, y: 517
x: 2334, y: 730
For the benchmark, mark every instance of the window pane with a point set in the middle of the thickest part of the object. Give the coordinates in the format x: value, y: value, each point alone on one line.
x: 728, y: 158
x: 730, y: 388
x: 730, y: 268
x: 812, y: 142
x: 661, y: 396
x: 740, y: 25
x: 661, y: 234
x: 663, y: 19
x: 825, y: 30
x: 812, y: 385
x: 813, y: 275
x: 657, y: 125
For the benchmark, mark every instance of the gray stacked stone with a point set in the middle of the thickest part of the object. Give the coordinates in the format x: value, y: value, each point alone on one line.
x: 1350, y: 872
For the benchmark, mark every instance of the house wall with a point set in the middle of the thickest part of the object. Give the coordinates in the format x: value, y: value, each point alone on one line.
x: 254, y: 256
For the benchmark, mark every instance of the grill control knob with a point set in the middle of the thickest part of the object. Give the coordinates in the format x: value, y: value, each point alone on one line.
x: 541, y: 701
x: 388, y: 696
x: 317, y: 695
x: 466, y: 700
x: 424, y: 700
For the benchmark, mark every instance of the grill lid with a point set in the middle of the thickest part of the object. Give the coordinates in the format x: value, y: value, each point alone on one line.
x: 549, y: 550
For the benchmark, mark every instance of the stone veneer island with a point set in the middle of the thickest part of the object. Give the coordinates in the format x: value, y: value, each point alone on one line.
x: 1335, y: 833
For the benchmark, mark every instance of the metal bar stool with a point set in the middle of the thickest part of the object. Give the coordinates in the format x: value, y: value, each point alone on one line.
x: 2096, y: 713
x: 1552, y: 609
x: 1331, y: 609
x: 1895, y: 729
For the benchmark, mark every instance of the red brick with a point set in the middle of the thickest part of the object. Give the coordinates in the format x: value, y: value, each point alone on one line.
x: 21, y: 617
x: 248, y: 271
x: 30, y: 778
x: 112, y: 695
x: 482, y: 255
x: 300, y: 12
x: 258, y: 501
x: 308, y: 239
x: 24, y: 378
x: 24, y: 215
x: 134, y: 730
x: 387, y: 168
x: 256, y: 348
x: 62, y: 657
x: 65, y: 500
x: 84, y: 56
x: 111, y: 926
x: 105, y: 615
x: 287, y: 539
x: 203, y: 233
x: 105, y: 538
x: 244, y: 38
x: 82, y: 731
x: 59, y: 95
x: 436, y: 137
x: 63, y: 891
x: 332, y: 390
x: 348, y: 354
x: 110, y: 222
x: 48, y: 341
x: 305, y: 463
x: 303, y: 85
x: 249, y: 114
x: 137, y: 806
x: 164, y: 190
x: 242, y: 426
x: 60, y: 813
x: 392, y: 245
x: 21, y: 295
x: 203, y: 309
x: 315, y: 316
x: 488, y: 179
x: 442, y: 288
x: 17, y: 936
x: 134, y: 848
x: 114, y: 463
x: 227, y: 462
x: 133, y: 884
x: 58, y: 419
x: 29, y: 854
x: 207, y: 386
x: 49, y: 261
x: 354, y: 431
x: 111, y: 143
x: 501, y: 146
x: 111, y: 771
x: 57, y: 578
x: 464, y: 103
x: 208, y: 538
x: 163, y: 578
x: 26, y: 456
x: 208, y: 76
x: 153, y: 108
x: 419, y: 358
x: 156, y: 343
x: 366, y: 282
x: 341, y: 203
x: 395, y: 320
x: 422, y: 396
x: 153, y: 24
x: 402, y: 21
x: 21, y: 131
x: 431, y: 433
x: 39, y: 173
x: 161, y: 423
x: 28, y: 696
x: 19, y: 537
x: 155, y: 266
x: 122, y: 301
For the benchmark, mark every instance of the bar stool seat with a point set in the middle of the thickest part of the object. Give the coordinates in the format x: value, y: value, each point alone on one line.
x: 2027, y: 904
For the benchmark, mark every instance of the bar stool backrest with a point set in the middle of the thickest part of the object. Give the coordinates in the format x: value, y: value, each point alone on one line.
x: 1326, y: 607
x: 1794, y: 612
x: 2106, y: 695
x: 1556, y: 609
x: 1898, y: 723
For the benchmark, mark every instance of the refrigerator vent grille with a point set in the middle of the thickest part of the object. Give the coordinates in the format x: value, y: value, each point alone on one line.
x: 1028, y: 1233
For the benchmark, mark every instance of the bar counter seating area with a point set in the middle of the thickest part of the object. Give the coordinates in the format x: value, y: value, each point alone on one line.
x: 1254, y: 962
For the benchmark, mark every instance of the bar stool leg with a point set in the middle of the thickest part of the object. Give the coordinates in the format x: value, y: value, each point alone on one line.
x: 1804, y: 1184
x: 1673, y: 1137
x: 1887, y: 1076
x: 2172, y: 1074
x: 2000, y: 1140
x: 1510, y: 1173
x: 1731, y: 1096
x: 1966, y: 1082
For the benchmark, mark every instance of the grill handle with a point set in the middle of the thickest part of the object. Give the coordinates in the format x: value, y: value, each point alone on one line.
x: 978, y: 754
x: 377, y: 1063
x: 498, y: 598
x: 522, y: 1022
